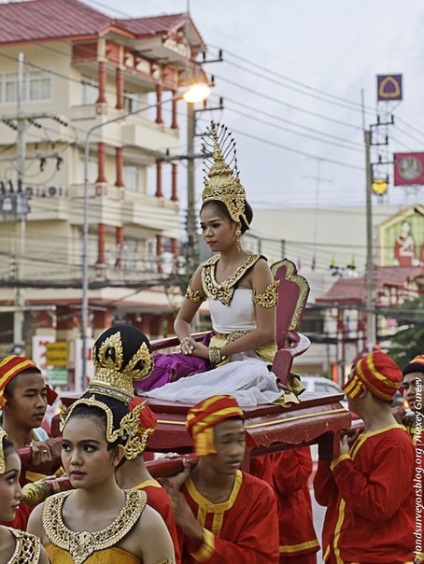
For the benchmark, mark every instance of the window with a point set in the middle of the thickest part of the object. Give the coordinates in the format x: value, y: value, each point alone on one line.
x: 11, y: 88
x: 131, y: 177
x: 131, y: 101
x: 37, y: 86
x: 89, y: 91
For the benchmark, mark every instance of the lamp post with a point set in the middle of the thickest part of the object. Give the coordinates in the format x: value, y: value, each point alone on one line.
x: 194, y: 93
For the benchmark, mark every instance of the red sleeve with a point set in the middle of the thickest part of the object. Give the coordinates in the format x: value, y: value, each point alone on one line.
x: 324, y: 483
x: 291, y: 470
x: 378, y: 495
x: 158, y: 498
x: 258, y: 543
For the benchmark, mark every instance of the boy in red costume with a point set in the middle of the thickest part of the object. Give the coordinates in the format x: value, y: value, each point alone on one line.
x: 368, y: 489
x: 288, y: 474
x: 225, y: 515
x: 24, y: 396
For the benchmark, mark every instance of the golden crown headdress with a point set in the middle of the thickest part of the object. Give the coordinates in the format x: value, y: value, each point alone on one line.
x: 2, y: 456
x: 121, y: 355
x: 133, y: 438
x: 221, y: 178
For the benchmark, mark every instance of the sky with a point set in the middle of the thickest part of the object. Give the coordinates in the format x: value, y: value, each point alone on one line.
x: 293, y: 78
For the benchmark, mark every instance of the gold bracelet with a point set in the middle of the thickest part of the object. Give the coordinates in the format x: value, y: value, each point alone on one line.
x: 215, y: 357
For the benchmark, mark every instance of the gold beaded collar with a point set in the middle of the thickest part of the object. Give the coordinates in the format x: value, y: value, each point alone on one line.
x: 223, y: 291
x: 81, y: 545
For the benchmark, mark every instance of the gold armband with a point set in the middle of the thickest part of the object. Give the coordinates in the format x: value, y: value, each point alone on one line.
x: 193, y: 295
x: 215, y: 356
x: 269, y: 298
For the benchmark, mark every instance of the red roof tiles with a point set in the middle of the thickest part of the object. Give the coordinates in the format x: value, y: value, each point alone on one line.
x: 353, y: 290
x: 42, y: 20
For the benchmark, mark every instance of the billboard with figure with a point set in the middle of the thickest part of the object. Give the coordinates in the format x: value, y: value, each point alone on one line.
x: 402, y: 240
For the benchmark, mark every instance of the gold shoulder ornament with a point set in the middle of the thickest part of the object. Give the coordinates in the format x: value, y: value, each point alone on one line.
x: 27, y: 548
x: 269, y: 298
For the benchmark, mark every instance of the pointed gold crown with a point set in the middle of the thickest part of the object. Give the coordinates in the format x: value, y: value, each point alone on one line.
x: 221, y: 179
x: 121, y: 354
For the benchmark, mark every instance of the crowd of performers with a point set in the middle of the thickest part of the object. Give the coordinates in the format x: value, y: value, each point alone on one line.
x: 213, y: 511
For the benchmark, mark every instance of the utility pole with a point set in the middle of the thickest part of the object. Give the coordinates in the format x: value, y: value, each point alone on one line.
x: 371, y: 332
x: 19, y: 315
x: 193, y: 251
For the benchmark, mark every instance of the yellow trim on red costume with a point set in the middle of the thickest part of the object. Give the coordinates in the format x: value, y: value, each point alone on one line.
x: 207, y: 548
x: 152, y: 482
x: 218, y: 509
x: 339, y: 459
x: 290, y: 549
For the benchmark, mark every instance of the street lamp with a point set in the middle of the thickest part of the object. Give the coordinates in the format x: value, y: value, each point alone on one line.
x: 195, y: 93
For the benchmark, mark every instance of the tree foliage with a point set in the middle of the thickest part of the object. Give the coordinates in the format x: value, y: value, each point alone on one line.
x: 409, y: 340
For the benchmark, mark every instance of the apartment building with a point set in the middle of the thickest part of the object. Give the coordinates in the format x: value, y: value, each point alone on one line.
x: 66, y: 71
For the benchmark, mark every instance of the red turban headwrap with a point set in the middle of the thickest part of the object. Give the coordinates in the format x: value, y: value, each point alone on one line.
x: 416, y: 365
x: 11, y: 366
x: 379, y: 373
x: 203, y: 416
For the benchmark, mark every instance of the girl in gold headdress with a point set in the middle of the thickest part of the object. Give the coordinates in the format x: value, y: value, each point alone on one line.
x: 241, y: 292
x: 15, y: 546
x: 98, y: 522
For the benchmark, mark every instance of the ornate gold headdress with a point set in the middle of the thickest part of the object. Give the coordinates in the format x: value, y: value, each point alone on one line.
x: 133, y: 440
x: 121, y: 355
x: 2, y: 457
x: 221, y: 179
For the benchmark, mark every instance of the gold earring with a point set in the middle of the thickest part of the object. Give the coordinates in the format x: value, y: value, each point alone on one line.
x: 238, y: 242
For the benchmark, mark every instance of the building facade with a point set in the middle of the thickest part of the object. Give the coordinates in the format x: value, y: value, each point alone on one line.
x: 66, y: 71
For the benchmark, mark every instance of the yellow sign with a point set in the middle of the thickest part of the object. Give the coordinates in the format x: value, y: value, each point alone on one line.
x: 57, y: 353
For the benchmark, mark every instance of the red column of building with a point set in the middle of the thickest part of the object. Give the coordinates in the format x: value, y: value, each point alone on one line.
x: 174, y: 188
x: 119, y: 89
x: 159, y: 118
x: 174, y: 123
x: 102, y: 83
x: 101, y: 236
x: 159, y: 251
x: 102, y: 320
x: 119, y: 164
x: 101, y: 162
x: 175, y: 247
x: 119, y: 241
x: 159, y: 193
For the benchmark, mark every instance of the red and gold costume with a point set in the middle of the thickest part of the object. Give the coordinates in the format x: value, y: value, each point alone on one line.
x: 158, y: 498
x: 288, y: 474
x: 369, y: 492
x: 243, y: 529
x: 10, y: 367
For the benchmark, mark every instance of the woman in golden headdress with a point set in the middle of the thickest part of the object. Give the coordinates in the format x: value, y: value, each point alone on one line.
x: 15, y: 546
x: 98, y: 522
x: 241, y: 292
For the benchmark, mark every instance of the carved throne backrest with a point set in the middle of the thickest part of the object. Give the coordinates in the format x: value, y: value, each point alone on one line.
x: 293, y: 293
